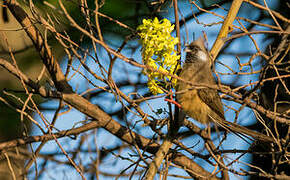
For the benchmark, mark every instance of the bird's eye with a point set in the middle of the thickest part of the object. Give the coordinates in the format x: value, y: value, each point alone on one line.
x: 190, y: 49
x: 193, y: 49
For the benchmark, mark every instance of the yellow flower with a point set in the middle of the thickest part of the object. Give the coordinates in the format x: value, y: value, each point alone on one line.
x: 158, y: 52
x: 154, y: 88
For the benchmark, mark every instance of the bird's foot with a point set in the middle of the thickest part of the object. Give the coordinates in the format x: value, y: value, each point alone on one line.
x: 171, y: 100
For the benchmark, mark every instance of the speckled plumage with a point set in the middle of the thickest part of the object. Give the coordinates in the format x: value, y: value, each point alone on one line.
x: 199, y: 103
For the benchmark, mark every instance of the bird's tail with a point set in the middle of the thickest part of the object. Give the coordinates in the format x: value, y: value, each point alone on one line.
x: 240, y: 130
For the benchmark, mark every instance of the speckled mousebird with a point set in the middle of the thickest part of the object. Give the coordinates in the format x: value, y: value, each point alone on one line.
x: 202, y: 103
x: 199, y: 103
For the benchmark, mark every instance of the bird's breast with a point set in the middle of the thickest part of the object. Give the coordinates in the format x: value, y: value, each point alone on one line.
x: 193, y: 106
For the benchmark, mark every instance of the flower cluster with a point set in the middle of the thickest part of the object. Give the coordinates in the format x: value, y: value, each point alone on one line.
x: 158, y: 52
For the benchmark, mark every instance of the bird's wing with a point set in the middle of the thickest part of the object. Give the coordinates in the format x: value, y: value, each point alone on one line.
x: 212, y: 99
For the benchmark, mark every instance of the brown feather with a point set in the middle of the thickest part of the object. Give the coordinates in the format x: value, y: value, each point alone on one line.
x: 212, y: 99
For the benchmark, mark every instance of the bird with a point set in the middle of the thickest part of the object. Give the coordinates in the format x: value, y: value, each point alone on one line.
x: 198, y: 103
x: 201, y: 102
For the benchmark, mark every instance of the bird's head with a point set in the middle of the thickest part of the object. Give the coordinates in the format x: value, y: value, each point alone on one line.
x: 196, y: 52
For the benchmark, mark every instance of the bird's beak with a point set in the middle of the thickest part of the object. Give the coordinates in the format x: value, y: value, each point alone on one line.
x: 186, y: 49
